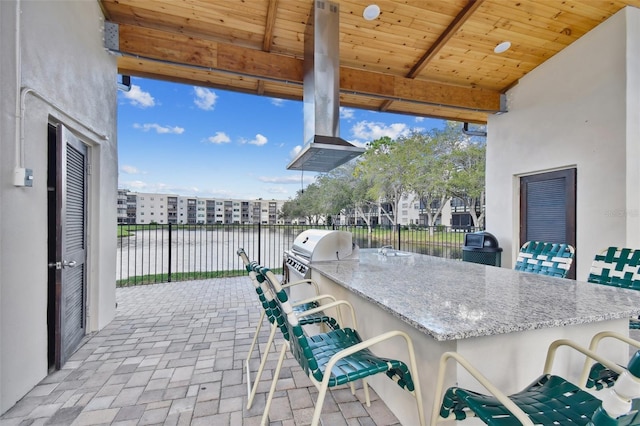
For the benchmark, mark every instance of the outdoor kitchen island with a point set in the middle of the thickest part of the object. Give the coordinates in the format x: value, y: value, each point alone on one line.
x: 501, y: 320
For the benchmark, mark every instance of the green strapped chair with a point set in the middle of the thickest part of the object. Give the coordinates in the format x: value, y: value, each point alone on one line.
x: 337, y: 357
x: 265, y: 296
x: 545, y: 258
x: 596, y: 375
x: 550, y: 400
x: 619, y: 267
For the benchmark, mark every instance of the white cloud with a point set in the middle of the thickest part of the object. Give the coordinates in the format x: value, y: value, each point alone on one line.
x: 159, y: 188
x: 130, y: 170
x: 219, y: 137
x: 419, y: 119
x: 295, y: 179
x: 139, y: 98
x: 277, y: 102
x: 370, y: 131
x: 277, y: 190
x: 158, y: 128
x: 134, y: 184
x: 205, y: 98
x: 169, y: 189
x: 346, y: 113
x: 361, y: 144
x: 295, y: 151
x: 259, y: 140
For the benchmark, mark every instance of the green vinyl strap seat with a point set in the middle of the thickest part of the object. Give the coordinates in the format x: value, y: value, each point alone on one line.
x: 552, y: 259
x: 549, y: 400
x: 618, y: 267
x: 337, y: 357
x: 594, y: 374
x: 540, y: 401
x: 314, y: 353
x: 266, y: 299
x: 615, y: 266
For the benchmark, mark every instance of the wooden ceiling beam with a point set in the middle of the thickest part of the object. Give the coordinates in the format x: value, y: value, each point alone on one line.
x: 269, y: 25
x: 450, y: 31
x: 214, y: 56
x: 446, y: 35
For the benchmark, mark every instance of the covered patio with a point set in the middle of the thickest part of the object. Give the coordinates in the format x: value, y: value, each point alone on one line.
x: 563, y: 98
x: 174, y: 355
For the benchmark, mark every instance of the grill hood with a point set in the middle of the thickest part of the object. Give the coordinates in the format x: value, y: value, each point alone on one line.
x: 324, y: 150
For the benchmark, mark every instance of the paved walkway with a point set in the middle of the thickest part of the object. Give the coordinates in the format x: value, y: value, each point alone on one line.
x: 174, y: 355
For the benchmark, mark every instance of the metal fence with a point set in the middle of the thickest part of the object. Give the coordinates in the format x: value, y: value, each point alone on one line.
x: 164, y: 253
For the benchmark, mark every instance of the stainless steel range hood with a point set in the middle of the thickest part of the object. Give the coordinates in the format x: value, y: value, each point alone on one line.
x: 324, y: 150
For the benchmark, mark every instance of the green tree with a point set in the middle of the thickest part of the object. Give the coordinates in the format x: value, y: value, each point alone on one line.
x: 382, y: 165
x: 426, y: 165
x: 336, y: 190
x: 348, y: 192
x: 434, y: 165
x: 305, y: 205
x: 467, y: 181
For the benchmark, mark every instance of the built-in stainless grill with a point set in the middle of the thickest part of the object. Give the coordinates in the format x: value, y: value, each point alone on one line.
x: 316, y: 245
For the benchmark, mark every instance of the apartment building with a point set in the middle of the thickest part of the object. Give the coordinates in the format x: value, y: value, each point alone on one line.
x: 144, y: 208
x: 412, y: 211
x: 122, y: 207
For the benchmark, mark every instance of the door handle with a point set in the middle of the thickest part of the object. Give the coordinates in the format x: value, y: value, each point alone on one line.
x: 69, y: 264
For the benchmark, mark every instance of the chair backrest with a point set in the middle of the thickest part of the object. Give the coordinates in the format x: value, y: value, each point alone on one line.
x: 619, y: 267
x: 269, y: 283
x: 265, y: 294
x: 289, y: 324
x: 545, y: 258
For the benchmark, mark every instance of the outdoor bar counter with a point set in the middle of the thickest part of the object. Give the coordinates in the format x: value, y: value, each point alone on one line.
x: 501, y: 320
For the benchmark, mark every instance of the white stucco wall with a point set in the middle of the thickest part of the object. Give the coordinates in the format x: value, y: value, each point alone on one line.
x: 578, y: 109
x: 632, y: 211
x: 72, y: 80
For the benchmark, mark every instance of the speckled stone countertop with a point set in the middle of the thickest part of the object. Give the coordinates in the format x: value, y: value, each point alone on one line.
x: 450, y: 299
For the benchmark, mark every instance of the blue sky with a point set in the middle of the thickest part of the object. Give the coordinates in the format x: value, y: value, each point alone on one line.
x: 187, y: 140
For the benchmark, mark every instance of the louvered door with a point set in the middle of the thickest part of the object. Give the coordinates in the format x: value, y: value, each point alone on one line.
x: 548, y: 209
x: 71, y: 288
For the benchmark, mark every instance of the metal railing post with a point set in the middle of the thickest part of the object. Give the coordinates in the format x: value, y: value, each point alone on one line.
x: 259, y: 242
x: 169, y: 271
x: 398, y: 225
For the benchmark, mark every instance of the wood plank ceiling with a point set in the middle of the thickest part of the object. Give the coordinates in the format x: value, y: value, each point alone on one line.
x: 431, y: 58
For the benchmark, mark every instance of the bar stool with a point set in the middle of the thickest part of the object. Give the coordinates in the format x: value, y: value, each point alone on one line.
x: 618, y: 267
x: 550, y: 400
x: 545, y: 258
x: 266, y: 300
x: 337, y: 357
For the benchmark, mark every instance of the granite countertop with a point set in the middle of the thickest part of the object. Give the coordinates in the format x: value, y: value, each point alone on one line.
x: 450, y: 299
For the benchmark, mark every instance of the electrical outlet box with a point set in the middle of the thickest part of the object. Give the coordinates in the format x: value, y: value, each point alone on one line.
x: 23, y: 177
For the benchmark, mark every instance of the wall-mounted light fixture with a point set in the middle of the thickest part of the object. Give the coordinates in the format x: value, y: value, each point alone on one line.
x: 125, y: 83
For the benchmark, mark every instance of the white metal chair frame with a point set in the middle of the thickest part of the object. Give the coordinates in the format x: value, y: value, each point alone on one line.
x: 323, y: 386
x: 252, y: 386
x: 274, y: 327
x: 593, y: 346
x: 497, y: 393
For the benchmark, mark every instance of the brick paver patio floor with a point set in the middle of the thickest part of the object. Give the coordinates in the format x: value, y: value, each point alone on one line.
x: 174, y: 355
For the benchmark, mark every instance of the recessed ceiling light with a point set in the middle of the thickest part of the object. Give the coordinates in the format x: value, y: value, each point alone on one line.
x: 371, y: 12
x: 502, y: 47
